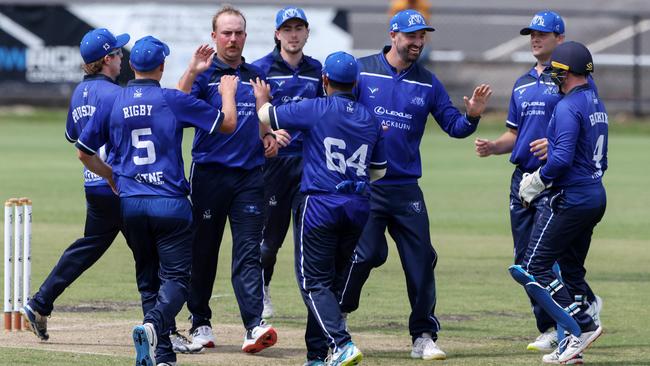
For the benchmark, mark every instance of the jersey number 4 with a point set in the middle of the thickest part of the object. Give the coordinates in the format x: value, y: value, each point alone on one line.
x: 143, y: 144
x: 337, y: 162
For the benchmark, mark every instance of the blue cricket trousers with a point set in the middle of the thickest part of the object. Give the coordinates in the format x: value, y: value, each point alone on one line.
x: 218, y: 193
x: 159, y: 233
x: 562, y: 234
x: 402, y: 210
x: 282, y: 176
x: 326, y: 232
x: 102, y: 226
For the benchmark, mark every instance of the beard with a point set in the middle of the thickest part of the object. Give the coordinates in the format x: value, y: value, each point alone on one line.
x: 407, y: 56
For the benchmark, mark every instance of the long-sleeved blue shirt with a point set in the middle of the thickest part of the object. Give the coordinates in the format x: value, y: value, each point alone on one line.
x: 402, y: 102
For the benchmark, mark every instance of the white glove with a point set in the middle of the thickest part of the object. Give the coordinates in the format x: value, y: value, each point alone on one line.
x: 531, y: 186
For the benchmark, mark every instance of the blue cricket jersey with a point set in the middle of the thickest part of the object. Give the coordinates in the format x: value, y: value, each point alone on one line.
x: 341, y: 140
x: 145, y: 127
x: 402, y: 102
x: 532, y: 103
x: 95, y: 91
x: 243, y: 148
x: 577, y: 135
x: 291, y: 85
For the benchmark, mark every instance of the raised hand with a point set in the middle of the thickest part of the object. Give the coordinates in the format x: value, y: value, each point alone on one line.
x: 476, y: 105
x: 262, y: 91
x: 201, y: 59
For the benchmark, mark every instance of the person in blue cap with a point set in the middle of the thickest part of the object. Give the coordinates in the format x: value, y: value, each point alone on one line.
x: 577, y: 160
x: 533, y: 100
x: 145, y: 127
x: 343, y: 152
x: 293, y: 76
x: 402, y: 94
x: 101, y: 52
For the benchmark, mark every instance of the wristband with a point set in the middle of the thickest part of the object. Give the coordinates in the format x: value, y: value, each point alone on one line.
x: 270, y: 133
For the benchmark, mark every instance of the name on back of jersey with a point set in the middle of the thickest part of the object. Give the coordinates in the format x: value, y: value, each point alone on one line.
x: 83, y: 111
x: 598, y: 117
x: 137, y: 110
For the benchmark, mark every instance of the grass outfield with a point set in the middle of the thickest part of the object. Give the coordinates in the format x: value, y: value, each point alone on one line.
x: 485, y: 315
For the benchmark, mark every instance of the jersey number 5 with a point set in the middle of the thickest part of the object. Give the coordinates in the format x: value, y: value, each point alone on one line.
x: 143, y: 144
x: 337, y: 162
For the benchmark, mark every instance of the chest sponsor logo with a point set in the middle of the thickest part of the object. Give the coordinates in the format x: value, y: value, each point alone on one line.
x: 288, y: 99
x: 381, y: 111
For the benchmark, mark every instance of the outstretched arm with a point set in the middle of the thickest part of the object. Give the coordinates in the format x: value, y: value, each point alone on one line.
x: 200, y: 61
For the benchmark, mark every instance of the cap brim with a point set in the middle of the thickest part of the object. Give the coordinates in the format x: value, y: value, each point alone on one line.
x: 122, y: 39
x: 416, y: 28
x: 528, y: 30
x: 299, y: 18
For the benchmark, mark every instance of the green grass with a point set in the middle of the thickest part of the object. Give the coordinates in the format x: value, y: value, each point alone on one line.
x: 484, y: 313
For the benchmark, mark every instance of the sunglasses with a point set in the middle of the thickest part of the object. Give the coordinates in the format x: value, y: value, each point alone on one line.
x: 116, y: 52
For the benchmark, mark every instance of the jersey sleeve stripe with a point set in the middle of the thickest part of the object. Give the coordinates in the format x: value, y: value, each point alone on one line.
x: 70, y: 139
x: 511, y: 124
x: 217, y: 122
x: 274, y: 119
x: 80, y: 145
x: 381, y: 165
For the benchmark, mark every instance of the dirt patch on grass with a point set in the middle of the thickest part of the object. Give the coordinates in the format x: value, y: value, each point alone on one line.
x: 82, y: 333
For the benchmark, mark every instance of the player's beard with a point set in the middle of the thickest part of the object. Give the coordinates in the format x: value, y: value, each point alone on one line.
x: 408, y: 55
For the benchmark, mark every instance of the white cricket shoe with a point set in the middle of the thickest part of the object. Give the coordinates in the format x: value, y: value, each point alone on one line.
x: 594, y: 310
x: 180, y: 344
x: 261, y: 337
x: 575, y: 345
x: 268, y: 305
x: 203, y: 335
x: 145, y: 341
x: 167, y: 364
x: 545, y: 342
x: 554, y: 358
x: 425, y: 348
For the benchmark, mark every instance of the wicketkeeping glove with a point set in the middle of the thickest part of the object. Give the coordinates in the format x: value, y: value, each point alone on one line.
x: 531, y: 186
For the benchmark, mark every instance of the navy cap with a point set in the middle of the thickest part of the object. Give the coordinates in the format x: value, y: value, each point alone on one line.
x: 409, y: 21
x: 573, y: 57
x: 100, y: 42
x: 545, y: 21
x: 288, y: 13
x: 148, y: 53
x: 341, y: 67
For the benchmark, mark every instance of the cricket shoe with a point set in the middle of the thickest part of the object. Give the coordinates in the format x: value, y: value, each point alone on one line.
x: 425, y: 348
x: 180, y: 344
x: 594, y: 310
x: 145, y: 341
x: 554, y: 358
x: 347, y: 355
x: 261, y: 337
x: 36, y: 322
x: 167, y: 364
x: 315, y: 363
x: 573, y: 345
x: 545, y: 342
x: 268, y: 305
x: 203, y: 336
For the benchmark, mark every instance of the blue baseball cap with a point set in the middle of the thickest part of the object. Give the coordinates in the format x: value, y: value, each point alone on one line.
x: 545, y: 21
x: 572, y: 56
x: 288, y: 13
x: 407, y: 21
x: 100, y: 42
x: 148, y: 53
x: 341, y: 67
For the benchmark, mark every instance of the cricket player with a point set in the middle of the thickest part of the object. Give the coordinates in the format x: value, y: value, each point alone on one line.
x: 343, y: 151
x: 293, y: 76
x: 577, y: 159
x: 401, y: 95
x: 232, y: 163
x: 101, y: 52
x: 145, y: 126
x: 533, y: 100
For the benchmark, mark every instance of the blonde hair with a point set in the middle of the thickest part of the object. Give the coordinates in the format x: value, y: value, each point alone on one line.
x: 94, y: 67
x: 227, y: 9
